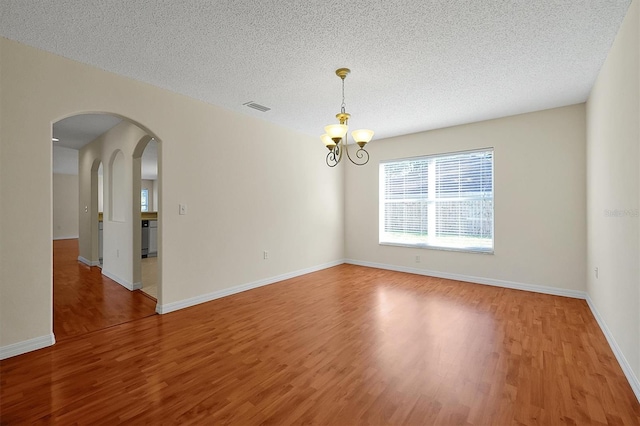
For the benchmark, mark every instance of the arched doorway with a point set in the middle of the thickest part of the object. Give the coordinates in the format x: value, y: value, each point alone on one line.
x: 118, y: 222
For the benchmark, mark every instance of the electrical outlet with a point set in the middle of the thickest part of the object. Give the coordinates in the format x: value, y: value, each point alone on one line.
x: 417, y: 259
x: 265, y: 255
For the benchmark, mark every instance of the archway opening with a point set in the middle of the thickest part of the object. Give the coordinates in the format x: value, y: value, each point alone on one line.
x: 87, y: 298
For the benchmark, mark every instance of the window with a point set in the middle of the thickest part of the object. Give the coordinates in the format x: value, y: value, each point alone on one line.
x: 441, y: 201
x: 144, y: 200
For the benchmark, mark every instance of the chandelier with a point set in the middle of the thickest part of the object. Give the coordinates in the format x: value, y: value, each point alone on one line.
x: 335, y: 138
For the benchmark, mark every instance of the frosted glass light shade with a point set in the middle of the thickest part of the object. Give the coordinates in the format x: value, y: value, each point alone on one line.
x: 327, y: 141
x: 336, y: 131
x: 362, y: 135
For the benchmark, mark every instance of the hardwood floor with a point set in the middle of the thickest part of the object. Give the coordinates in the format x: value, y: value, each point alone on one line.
x: 346, y: 345
x: 84, y: 300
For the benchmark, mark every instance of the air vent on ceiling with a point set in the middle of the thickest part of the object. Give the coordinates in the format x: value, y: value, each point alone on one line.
x: 259, y: 107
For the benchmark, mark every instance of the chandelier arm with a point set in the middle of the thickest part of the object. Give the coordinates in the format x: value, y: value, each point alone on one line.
x: 331, y: 159
x: 335, y: 155
x: 360, y: 154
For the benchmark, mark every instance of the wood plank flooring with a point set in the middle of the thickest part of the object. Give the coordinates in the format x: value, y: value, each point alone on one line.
x: 347, y: 345
x: 84, y: 300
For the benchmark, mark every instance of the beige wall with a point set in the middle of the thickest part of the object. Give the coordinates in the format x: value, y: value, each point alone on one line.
x: 539, y: 180
x: 243, y: 195
x: 613, y: 163
x: 65, y: 206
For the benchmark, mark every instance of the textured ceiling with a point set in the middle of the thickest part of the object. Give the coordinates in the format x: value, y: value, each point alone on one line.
x: 416, y: 65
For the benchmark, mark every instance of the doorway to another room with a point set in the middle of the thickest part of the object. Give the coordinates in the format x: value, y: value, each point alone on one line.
x: 96, y: 273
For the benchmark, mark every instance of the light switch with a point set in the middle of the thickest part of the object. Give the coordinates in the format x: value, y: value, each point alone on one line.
x: 183, y: 209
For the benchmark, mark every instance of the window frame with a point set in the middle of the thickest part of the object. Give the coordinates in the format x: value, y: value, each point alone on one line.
x: 431, y: 203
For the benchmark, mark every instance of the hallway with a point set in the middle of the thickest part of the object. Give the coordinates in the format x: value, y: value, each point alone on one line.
x: 84, y: 300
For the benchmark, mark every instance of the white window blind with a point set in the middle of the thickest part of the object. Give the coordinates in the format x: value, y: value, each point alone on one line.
x: 442, y: 201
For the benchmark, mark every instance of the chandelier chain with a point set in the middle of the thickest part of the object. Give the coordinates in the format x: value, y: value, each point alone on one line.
x: 342, y: 108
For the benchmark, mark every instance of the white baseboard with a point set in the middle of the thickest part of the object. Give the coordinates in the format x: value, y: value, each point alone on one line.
x: 25, y: 346
x: 576, y: 294
x: 73, y: 237
x: 88, y: 262
x: 624, y: 364
x: 174, y: 306
x: 124, y: 283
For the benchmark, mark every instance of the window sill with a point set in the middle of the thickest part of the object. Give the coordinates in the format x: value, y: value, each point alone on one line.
x: 425, y: 246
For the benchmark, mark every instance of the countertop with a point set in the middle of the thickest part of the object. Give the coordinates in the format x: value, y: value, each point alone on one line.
x: 143, y: 216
